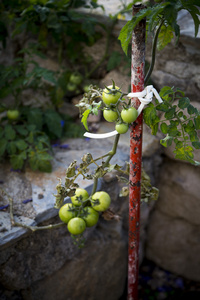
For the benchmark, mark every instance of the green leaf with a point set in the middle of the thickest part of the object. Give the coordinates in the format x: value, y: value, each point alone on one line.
x: 164, y: 128
x: 17, y: 160
x: 196, y: 145
x: 21, y: 144
x: 11, y: 148
x: 165, y: 92
x: 53, y: 122
x: 85, y: 117
x: 167, y: 141
x: 170, y: 113
x: 197, y: 122
x: 195, y: 19
x: 34, y: 116
x: 191, y: 110
x: 126, y: 32
x: 162, y: 107
x: 9, y: 132
x: 165, y: 36
x: 21, y: 130
x: 184, y: 103
x: 173, y: 131
x: 40, y: 160
x: 3, y: 144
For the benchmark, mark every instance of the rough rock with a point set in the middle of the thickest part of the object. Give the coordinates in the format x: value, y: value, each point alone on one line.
x: 174, y: 226
x: 173, y: 244
x: 179, y: 191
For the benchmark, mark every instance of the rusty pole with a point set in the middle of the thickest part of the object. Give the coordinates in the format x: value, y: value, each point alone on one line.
x: 137, y: 85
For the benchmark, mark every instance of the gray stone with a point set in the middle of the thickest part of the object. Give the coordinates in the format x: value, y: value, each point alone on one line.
x: 179, y: 191
x: 173, y: 244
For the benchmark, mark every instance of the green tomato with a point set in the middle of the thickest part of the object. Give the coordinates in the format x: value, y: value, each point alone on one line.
x: 66, y: 213
x: 86, y: 88
x: 71, y: 87
x: 76, y: 226
x: 76, y: 78
x: 13, y: 114
x: 104, y: 201
x: 129, y: 115
x: 92, y: 216
x: 80, y: 195
x: 110, y: 115
x: 111, y: 95
x: 121, y: 128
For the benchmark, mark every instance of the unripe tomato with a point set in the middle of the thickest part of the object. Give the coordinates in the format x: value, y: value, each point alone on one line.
x: 121, y: 128
x: 129, y: 115
x: 76, y: 78
x: 65, y: 213
x: 76, y: 226
x: 80, y: 195
x: 13, y: 114
x: 104, y: 201
x: 71, y: 87
x: 111, y: 95
x: 92, y: 218
x: 110, y: 115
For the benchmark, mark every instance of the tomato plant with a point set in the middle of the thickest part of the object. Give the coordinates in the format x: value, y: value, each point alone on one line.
x: 129, y: 115
x: 76, y: 226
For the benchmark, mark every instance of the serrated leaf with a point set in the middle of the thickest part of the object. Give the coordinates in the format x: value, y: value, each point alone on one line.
x: 165, y: 92
x: 151, y: 118
x: 53, y: 122
x: 17, y: 160
x: 21, y: 130
x: 21, y: 144
x: 9, y: 133
x: 170, y: 113
x: 197, y: 122
x: 191, y: 109
x: 173, y: 131
x: 11, y: 148
x: 196, y: 145
x: 184, y: 103
x: 165, y: 36
x: 34, y: 116
x: 126, y: 32
x: 164, y: 128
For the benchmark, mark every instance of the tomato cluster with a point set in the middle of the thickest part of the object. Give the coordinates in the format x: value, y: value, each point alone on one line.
x: 113, y: 100
x: 83, y: 211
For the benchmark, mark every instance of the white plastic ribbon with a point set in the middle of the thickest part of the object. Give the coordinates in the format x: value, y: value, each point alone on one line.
x: 145, y: 97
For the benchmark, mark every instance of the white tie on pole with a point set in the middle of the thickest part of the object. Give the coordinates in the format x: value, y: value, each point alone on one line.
x: 145, y: 97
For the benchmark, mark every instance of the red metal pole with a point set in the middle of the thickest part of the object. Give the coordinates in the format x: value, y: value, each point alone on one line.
x: 137, y: 85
